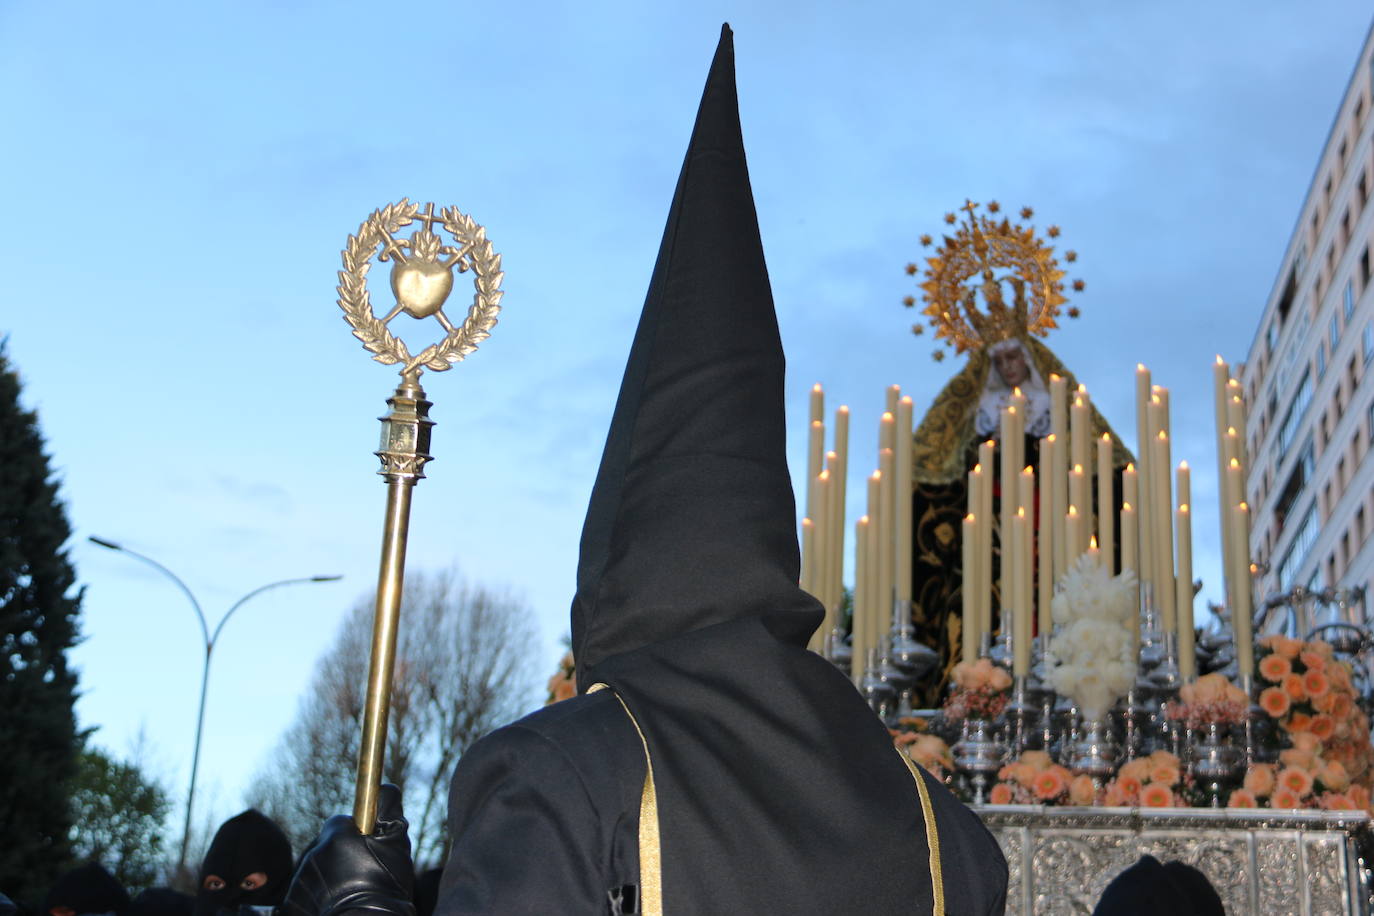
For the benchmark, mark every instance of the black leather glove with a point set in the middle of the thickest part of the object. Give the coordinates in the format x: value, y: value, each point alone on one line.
x: 346, y: 872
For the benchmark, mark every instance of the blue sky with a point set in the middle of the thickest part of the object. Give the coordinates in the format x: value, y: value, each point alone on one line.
x: 179, y: 180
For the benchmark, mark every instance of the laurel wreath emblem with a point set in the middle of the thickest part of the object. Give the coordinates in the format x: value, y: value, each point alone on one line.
x: 356, y: 302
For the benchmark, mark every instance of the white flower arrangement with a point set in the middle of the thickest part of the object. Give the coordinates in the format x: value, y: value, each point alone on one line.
x: 1092, y: 653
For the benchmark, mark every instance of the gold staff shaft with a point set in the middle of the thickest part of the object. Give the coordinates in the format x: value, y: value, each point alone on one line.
x: 390, y: 582
x: 404, y: 451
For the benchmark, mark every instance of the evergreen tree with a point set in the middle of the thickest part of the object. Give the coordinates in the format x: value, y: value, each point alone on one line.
x: 39, y: 604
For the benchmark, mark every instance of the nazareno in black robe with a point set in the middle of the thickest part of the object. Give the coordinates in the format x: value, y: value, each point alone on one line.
x: 778, y: 791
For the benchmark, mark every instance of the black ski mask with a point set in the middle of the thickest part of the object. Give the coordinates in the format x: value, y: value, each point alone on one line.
x: 249, y: 864
x: 87, y: 889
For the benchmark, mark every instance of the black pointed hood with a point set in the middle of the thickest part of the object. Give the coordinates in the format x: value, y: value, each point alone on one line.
x: 778, y: 789
x: 692, y: 520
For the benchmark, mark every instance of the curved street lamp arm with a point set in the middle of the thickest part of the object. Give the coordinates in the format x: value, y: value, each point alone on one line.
x: 259, y: 590
x: 200, y: 615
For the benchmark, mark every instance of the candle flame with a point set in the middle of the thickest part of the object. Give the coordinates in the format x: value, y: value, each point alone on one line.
x: 1233, y: 383
x: 1126, y: 507
x: 1154, y: 398
x: 1082, y: 389
x: 1051, y: 437
x: 1235, y: 463
x: 1092, y: 542
x: 1029, y: 471
x: 977, y: 469
x: 1140, y: 367
x: 815, y: 423
x: 807, y: 523
x: 1077, y: 469
x: 1220, y: 361
x: 906, y: 401
x: 816, y: 387
x: 1243, y: 506
x: 844, y: 409
x: 824, y: 475
x: 1130, y: 467
x: 1106, y: 437
x: 1011, y: 409
x: 876, y: 476
x: 1183, y: 465
x: 1073, y: 512
x: 888, y: 417
x: 863, y: 520
x: 1231, y: 431
x: 1163, y: 436
x: 991, y: 443
x: 1016, y: 391
x: 969, y: 517
x: 1020, y: 511
x: 1054, y: 376
x: 1183, y: 507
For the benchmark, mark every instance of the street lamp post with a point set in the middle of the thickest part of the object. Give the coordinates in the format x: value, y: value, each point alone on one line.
x: 209, y: 638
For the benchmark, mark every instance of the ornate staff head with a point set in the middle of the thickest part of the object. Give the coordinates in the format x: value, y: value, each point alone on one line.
x: 985, y: 252
x: 421, y: 280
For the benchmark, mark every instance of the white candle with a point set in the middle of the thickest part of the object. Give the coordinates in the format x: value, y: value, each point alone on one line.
x: 873, y: 620
x: 1080, y: 432
x: 1073, y: 525
x: 1059, y: 504
x: 860, y: 608
x: 842, y: 485
x: 833, y: 563
x: 1221, y: 373
x: 968, y: 630
x: 815, y: 448
x: 1078, y: 496
x: 1106, y: 503
x: 1241, y: 611
x: 817, y: 403
x: 1008, y: 505
x: 1128, y: 553
x: 1021, y: 612
x: 985, y: 526
x: 887, y: 532
x: 903, y: 490
x: 1187, y: 657
x: 891, y: 395
x: 808, y: 556
x: 1164, y: 539
x: 1044, y: 546
x: 1144, y: 507
x: 820, y: 538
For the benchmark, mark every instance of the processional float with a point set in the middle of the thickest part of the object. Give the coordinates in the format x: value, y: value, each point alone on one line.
x: 422, y: 269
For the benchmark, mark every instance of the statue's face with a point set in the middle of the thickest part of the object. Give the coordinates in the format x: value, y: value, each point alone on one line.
x: 1011, y: 365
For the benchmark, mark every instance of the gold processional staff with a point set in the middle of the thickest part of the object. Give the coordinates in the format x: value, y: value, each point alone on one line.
x: 421, y: 279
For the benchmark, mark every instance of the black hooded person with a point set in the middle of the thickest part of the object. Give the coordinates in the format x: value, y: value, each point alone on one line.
x: 86, y: 890
x: 248, y: 865
x: 711, y: 764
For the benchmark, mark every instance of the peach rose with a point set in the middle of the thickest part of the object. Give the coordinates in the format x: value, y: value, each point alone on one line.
x: 1336, y: 801
x: 1339, y: 675
x: 1162, y: 756
x: 1306, y: 741
x: 1296, y: 758
x: 1325, y: 702
x: 1295, y: 780
x: 1164, y: 773
x: 1048, y: 784
x: 1299, y: 722
x: 1274, y: 701
x: 1023, y: 773
x: 1259, y: 779
x: 1000, y: 794
x: 1137, y: 769
x: 1323, y: 726
x: 1319, y: 647
x: 1037, y: 759
x: 1311, y: 661
x: 1340, y: 705
x: 1315, y: 683
x: 1242, y: 798
x: 1282, y: 645
x: 1333, y: 775
x: 1292, y: 685
x: 1115, y: 797
x: 1082, y: 791
x: 1359, y: 795
x: 1274, y: 668
x: 1284, y: 798
x: 1157, y: 795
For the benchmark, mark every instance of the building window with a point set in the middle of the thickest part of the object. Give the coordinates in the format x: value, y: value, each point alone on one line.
x: 1335, y: 332
x: 1359, y: 525
x: 1298, y: 550
x: 1348, y: 300
x: 1364, y: 269
x: 1271, y: 337
x: 1296, y: 410
x: 1368, y: 343
x: 1321, y: 359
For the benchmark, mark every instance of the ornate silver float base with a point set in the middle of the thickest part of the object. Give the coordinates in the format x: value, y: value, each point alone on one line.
x: 1261, y: 862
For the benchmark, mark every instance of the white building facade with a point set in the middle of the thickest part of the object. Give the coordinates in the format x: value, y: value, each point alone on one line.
x: 1308, y: 380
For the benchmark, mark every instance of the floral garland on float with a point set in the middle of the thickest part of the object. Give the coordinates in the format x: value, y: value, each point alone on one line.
x: 980, y: 691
